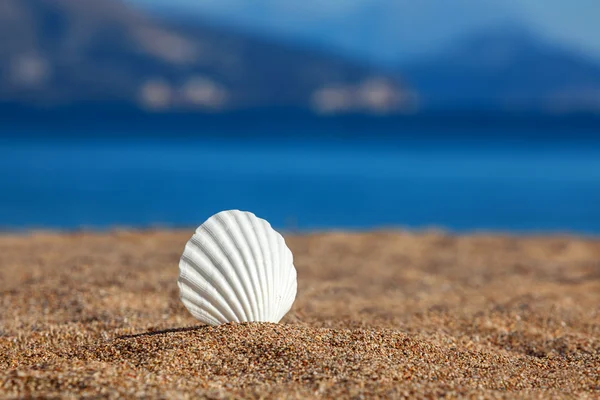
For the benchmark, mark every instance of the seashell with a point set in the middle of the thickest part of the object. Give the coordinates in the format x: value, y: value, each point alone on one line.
x: 237, y: 268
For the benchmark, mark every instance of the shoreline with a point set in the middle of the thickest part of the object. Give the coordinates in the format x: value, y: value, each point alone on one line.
x: 424, y: 230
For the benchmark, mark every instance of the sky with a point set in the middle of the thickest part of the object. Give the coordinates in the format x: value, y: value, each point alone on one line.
x: 400, y: 30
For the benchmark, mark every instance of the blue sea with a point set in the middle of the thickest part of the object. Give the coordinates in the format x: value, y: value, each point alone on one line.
x: 313, y: 176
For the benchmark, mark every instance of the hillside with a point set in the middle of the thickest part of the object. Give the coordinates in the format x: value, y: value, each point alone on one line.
x: 507, y: 68
x: 382, y: 31
x: 58, y: 52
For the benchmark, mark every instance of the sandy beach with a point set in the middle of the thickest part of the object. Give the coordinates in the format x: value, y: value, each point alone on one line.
x: 381, y: 314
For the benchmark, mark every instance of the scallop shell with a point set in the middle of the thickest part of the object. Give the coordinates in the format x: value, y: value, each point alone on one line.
x: 237, y: 268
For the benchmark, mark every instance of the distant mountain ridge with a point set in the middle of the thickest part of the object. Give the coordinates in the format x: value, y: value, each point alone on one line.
x: 507, y: 68
x: 384, y: 32
x: 60, y: 52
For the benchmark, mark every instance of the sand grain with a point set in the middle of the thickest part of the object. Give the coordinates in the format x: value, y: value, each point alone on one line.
x: 388, y: 314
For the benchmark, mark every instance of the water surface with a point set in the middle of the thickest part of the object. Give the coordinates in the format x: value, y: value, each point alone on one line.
x: 315, y: 182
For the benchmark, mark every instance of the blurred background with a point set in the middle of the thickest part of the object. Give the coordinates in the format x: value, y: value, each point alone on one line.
x: 357, y: 114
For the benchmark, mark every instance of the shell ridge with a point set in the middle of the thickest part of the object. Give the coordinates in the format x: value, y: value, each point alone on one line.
x: 291, y: 291
x: 200, y: 313
x: 188, y: 294
x: 203, y: 303
x: 240, y: 287
x: 225, y: 307
x: 274, y: 270
x: 253, y: 263
x: 239, y: 258
x: 289, y: 282
x: 262, y: 236
x: 234, y: 301
x: 280, y: 271
x: 217, y: 274
x: 237, y: 268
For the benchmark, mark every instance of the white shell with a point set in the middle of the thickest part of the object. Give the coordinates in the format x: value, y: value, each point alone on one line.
x: 237, y: 268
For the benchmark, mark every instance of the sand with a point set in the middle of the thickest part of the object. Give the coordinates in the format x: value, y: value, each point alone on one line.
x: 383, y: 314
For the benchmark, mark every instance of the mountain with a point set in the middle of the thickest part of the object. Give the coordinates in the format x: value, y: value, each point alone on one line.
x: 507, y: 68
x: 384, y: 32
x: 60, y: 52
